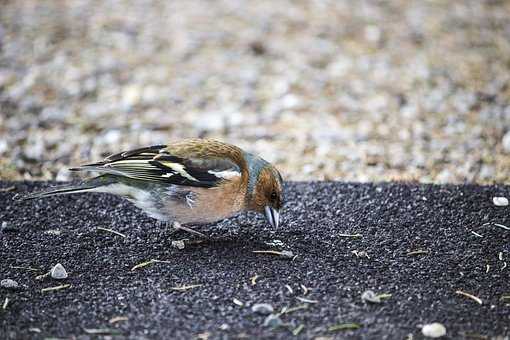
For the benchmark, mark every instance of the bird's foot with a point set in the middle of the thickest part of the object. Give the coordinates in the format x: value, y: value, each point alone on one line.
x: 177, y: 226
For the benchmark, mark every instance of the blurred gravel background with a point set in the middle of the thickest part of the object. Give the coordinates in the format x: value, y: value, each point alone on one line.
x: 348, y: 90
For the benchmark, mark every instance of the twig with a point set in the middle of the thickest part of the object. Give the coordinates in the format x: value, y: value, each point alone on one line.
x: 344, y: 326
x: 298, y: 330
x: 476, y: 234
x: 101, y: 331
x: 472, y: 297
x: 42, y: 276
x: 289, y: 288
x: 504, y: 297
x: 306, y: 300
x: 146, y: 263
x: 501, y: 226
x: 8, y: 189
x: 185, y: 288
x: 286, y: 310
x: 111, y: 231
x: 383, y: 296
x: 178, y: 226
x: 254, y: 280
x: 26, y: 268
x: 6, y: 302
x: 350, y: 235
x: 118, y: 319
x: 49, y: 289
x: 285, y: 253
x: 418, y: 252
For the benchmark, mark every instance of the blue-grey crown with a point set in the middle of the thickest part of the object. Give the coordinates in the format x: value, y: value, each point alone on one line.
x: 255, y: 165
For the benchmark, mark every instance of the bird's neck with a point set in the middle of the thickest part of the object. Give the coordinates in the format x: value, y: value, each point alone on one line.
x: 254, y: 165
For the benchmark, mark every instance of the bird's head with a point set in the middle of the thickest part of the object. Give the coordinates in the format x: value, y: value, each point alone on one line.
x: 267, y: 196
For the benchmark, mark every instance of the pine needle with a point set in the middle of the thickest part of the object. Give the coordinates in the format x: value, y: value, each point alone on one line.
x: 418, y: 252
x: 185, y: 288
x: 111, y: 231
x: 118, y: 319
x: 298, y: 330
x: 306, y: 300
x: 350, y: 235
x: 50, y: 289
x: 344, y: 326
x: 146, y: 263
x: 472, y: 297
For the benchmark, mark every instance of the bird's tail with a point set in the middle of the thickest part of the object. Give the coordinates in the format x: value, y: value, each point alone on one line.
x: 84, y: 186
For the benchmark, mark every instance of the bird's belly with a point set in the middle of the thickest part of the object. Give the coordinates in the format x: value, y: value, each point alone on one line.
x: 185, y: 205
x: 152, y: 210
x: 207, y: 206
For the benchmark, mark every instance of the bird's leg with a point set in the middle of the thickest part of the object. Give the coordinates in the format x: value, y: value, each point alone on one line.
x: 177, y: 226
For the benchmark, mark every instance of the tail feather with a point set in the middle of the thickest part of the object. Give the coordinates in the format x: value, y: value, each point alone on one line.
x: 84, y: 186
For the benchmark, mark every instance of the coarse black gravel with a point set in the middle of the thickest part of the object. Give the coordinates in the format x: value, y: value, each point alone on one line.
x: 393, y: 219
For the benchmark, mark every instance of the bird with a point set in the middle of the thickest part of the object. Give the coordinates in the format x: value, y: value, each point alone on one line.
x: 192, y: 181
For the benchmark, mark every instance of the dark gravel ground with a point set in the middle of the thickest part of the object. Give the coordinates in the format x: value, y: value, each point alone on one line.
x: 393, y: 219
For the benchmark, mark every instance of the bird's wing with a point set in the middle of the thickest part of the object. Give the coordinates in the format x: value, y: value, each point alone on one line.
x: 159, y: 164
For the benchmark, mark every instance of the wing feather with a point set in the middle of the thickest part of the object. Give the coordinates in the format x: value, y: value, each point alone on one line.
x: 157, y: 164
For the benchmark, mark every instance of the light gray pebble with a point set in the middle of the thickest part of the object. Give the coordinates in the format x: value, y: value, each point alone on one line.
x: 506, y: 142
x: 500, y: 201
x: 262, y: 308
x: 433, y: 330
x: 7, y: 227
x: 58, y: 272
x: 179, y: 244
x: 9, y: 284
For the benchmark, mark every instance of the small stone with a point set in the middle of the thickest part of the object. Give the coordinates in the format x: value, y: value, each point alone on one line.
x: 433, y: 330
x: 262, y: 308
x: 58, y: 272
x: 273, y: 321
x: 131, y: 95
x: 370, y: 296
x: 7, y: 227
x: 506, y: 142
x: 179, y: 244
x: 224, y: 327
x: 9, y: 284
x: 500, y: 201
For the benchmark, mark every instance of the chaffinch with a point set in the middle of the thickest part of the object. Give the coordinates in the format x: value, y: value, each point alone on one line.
x: 191, y: 181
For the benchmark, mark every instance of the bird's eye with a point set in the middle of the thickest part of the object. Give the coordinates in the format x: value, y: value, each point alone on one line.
x: 273, y: 195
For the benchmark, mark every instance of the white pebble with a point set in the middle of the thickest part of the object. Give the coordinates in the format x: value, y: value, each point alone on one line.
x: 58, y: 272
x: 434, y: 330
x: 178, y: 244
x: 9, y: 284
x: 262, y: 308
x: 506, y: 142
x: 500, y: 201
x: 370, y: 296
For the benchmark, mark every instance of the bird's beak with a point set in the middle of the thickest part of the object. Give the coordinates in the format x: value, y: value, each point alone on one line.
x: 273, y: 216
